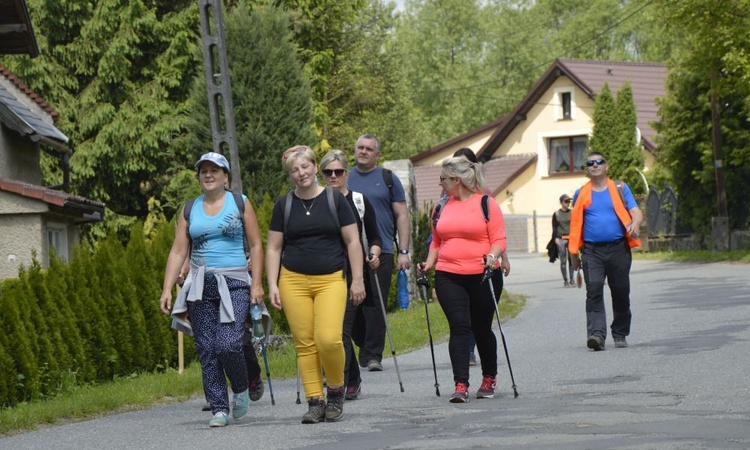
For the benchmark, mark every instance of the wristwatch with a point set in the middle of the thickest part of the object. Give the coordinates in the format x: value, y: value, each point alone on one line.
x: 403, y: 252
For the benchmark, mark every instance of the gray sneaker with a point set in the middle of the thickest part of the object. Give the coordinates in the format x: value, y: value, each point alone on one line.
x: 335, y: 405
x: 620, y: 342
x: 256, y: 389
x: 595, y: 343
x: 374, y: 365
x: 316, y: 411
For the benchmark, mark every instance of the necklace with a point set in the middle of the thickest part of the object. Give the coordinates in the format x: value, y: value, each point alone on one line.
x: 307, y: 209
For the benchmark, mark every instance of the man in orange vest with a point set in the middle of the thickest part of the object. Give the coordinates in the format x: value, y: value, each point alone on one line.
x: 605, y: 223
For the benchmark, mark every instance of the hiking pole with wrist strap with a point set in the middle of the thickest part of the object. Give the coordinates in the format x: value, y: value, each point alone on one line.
x: 425, y: 283
x: 488, y: 278
x: 387, y: 328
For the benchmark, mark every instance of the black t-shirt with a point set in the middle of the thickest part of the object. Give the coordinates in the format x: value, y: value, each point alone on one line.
x: 313, y: 244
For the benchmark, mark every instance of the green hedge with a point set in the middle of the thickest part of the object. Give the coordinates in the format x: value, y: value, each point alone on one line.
x: 88, y: 321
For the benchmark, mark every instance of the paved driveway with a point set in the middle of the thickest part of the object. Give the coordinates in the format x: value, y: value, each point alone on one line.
x: 684, y: 382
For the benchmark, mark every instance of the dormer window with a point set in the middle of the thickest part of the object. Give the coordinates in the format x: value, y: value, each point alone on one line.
x: 565, y: 101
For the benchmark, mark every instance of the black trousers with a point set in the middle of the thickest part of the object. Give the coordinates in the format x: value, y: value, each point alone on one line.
x: 374, y: 336
x: 469, y: 308
x: 612, y: 262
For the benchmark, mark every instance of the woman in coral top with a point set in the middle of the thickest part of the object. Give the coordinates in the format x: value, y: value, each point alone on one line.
x: 463, y: 243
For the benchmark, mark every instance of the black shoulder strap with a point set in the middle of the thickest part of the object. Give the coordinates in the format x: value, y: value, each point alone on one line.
x: 438, y: 209
x: 287, y: 211
x: 486, y: 207
x: 388, y: 179
x: 333, y: 205
x: 240, y: 204
x: 241, y: 208
x: 186, y: 214
x: 619, y: 184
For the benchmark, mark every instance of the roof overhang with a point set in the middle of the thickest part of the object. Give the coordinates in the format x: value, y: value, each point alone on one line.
x: 78, y: 209
x: 16, y: 33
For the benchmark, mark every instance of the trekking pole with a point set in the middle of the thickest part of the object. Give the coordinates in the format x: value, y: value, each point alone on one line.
x: 268, y: 371
x: 488, y: 278
x: 425, y: 283
x: 387, y: 329
x: 299, y: 402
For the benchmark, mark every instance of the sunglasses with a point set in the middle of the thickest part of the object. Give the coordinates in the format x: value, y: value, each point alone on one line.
x: 598, y: 162
x: 568, y: 201
x: 329, y: 172
x: 443, y: 178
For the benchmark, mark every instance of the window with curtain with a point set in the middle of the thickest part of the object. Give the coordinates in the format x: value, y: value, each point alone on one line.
x: 567, y: 154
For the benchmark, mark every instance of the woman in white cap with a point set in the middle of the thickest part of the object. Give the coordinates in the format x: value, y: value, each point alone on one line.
x: 218, y: 291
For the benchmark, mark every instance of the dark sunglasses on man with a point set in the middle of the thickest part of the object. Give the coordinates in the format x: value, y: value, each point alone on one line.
x: 598, y: 162
x: 329, y: 172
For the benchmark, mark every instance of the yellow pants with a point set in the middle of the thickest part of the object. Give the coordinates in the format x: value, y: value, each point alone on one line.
x: 314, y: 306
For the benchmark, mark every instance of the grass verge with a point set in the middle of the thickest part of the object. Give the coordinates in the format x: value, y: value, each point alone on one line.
x: 740, y: 256
x: 141, y: 391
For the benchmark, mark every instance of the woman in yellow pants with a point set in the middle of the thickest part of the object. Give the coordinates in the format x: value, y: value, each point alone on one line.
x: 305, y: 271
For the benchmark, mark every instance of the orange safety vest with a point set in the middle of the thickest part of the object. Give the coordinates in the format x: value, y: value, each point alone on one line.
x: 575, y: 242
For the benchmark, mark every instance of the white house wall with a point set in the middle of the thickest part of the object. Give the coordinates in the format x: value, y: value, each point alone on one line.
x: 22, y: 237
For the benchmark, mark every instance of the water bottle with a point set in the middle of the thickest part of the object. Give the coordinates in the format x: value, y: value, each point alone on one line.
x: 256, y: 315
x: 403, y: 289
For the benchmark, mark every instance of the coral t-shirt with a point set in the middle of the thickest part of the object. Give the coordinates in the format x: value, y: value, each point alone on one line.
x: 463, y: 237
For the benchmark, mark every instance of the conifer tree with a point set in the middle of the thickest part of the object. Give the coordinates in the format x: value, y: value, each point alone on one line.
x: 17, y: 338
x: 56, y: 281
x: 606, y: 127
x: 90, y: 309
x: 28, y: 331
x: 626, y: 157
x: 141, y: 271
x: 59, y: 358
x: 113, y: 305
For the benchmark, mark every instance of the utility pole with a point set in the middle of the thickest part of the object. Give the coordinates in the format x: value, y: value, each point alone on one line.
x: 218, y: 86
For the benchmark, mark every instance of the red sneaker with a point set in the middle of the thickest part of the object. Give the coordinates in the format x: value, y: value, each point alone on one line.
x: 461, y: 395
x: 487, y: 390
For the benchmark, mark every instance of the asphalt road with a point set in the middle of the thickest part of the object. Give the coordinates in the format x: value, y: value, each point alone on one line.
x: 684, y: 382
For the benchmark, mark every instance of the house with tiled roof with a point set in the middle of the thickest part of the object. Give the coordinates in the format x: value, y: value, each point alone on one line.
x: 536, y: 153
x: 33, y: 218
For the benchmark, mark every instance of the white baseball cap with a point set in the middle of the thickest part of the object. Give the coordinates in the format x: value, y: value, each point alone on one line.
x: 216, y: 158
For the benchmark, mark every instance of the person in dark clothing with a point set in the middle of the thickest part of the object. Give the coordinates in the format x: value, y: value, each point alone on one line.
x: 335, y: 168
x: 386, y: 194
x: 560, y: 231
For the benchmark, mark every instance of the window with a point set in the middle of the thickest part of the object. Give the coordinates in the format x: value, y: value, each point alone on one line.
x: 566, y: 105
x: 567, y: 154
x: 57, y: 238
x: 563, y: 103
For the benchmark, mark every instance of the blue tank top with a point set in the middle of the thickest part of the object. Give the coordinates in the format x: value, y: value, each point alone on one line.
x: 217, y: 240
